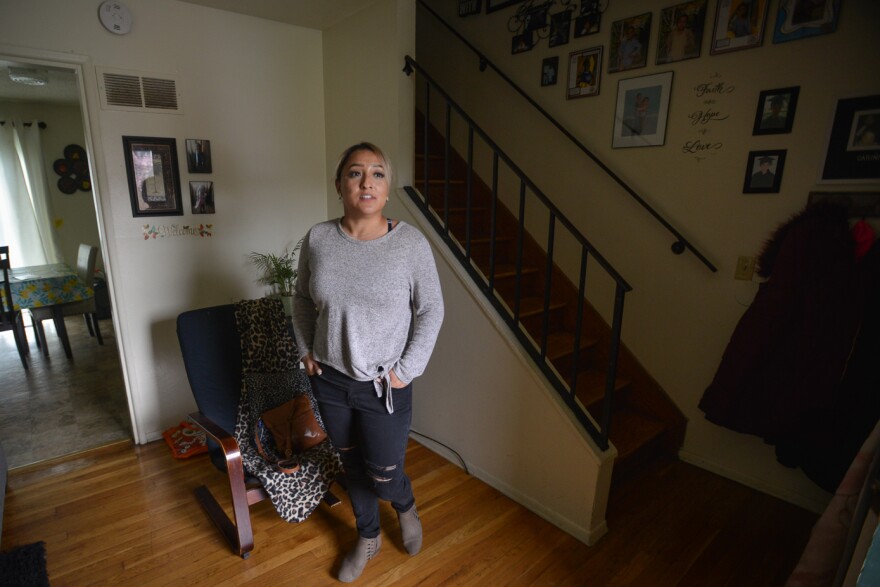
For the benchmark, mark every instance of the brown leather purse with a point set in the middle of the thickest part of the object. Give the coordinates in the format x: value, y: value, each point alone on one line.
x: 294, y: 430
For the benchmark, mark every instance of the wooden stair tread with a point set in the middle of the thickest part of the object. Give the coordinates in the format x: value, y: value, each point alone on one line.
x: 534, y: 306
x: 590, y: 387
x: 631, y: 431
x: 507, y: 270
x: 560, y: 344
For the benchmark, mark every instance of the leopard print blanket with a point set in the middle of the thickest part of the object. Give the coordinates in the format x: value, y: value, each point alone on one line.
x: 270, y: 377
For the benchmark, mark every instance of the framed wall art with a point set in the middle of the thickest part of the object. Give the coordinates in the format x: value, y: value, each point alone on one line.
x: 775, y: 114
x: 469, y: 7
x: 198, y: 155
x: 764, y: 172
x: 549, y: 71
x: 588, y: 19
x: 560, y: 28
x: 493, y: 5
x: 798, y: 19
x: 201, y: 197
x: 853, y: 153
x: 584, y: 73
x: 153, y: 177
x: 681, y: 31
x: 642, y: 109
x: 739, y: 24
x: 629, y: 43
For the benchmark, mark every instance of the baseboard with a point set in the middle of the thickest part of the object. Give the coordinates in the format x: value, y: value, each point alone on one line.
x: 807, y: 502
x: 588, y: 536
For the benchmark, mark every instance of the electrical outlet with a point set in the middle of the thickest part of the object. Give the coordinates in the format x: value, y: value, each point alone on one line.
x: 745, y: 268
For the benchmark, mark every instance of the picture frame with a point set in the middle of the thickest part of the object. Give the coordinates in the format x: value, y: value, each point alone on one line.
x: 739, y: 24
x: 681, y: 31
x: 764, y: 172
x: 522, y: 43
x: 628, y: 48
x: 641, y: 112
x: 469, y: 7
x: 584, y: 73
x: 201, y: 197
x: 853, y: 149
x: 797, y: 19
x: 560, y: 28
x: 775, y: 112
x: 493, y: 5
x: 153, y: 176
x: 549, y: 71
x: 857, y: 204
x: 198, y: 156
x: 588, y: 20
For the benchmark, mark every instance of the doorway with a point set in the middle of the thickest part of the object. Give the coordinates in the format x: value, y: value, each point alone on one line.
x: 59, y: 406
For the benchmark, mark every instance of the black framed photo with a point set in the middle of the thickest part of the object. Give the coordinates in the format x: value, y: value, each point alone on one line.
x: 198, y: 155
x: 522, y: 43
x: 588, y: 19
x: 550, y: 71
x: 641, y: 111
x: 629, y: 43
x: 201, y: 197
x: 775, y: 113
x: 469, y: 7
x: 153, y: 176
x: 560, y: 28
x: 584, y: 73
x: 764, y: 172
x: 799, y: 19
x: 681, y: 31
x: 739, y: 24
x: 493, y: 5
x: 853, y: 153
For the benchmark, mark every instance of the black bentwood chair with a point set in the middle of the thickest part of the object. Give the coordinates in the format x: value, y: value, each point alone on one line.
x: 9, y: 318
x: 210, y: 345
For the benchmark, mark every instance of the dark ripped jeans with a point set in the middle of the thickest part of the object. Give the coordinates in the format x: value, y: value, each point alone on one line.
x: 371, y: 442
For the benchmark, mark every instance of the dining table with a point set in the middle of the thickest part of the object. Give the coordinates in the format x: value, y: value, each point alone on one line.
x: 51, y: 285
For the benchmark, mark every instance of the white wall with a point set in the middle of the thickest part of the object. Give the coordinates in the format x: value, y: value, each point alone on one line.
x: 250, y: 86
x: 679, y: 316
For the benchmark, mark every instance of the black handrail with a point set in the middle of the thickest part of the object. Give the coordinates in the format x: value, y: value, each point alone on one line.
x: 536, y: 347
x: 680, y: 244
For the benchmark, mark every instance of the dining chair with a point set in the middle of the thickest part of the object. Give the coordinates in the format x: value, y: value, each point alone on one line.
x: 85, y: 272
x: 9, y: 318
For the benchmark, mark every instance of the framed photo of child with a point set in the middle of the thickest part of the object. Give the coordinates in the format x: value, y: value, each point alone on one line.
x: 775, y: 114
x: 681, y: 31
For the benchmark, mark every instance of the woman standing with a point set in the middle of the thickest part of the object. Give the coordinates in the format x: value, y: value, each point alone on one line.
x: 367, y: 311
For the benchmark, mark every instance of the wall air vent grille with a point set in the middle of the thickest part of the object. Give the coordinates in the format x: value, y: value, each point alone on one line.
x: 138, y: 93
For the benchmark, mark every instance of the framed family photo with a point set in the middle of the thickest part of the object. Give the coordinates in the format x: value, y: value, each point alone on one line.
x: 681, y: 31
x: 775, y: 114
x: 799, y: 19
x: 642, y: 108
x: 201, y: 197
x: 560, y: 28
x: 588, y: 19
x: 739, y: 24
x: 153, y: 176
x: 584, y: 73
x: 853, y: 153
x: 764, y: 172
x: 198, y: 155
x: 628, y: 48
x: 550, y: 71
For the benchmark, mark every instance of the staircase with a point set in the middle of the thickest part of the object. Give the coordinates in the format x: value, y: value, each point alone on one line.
x: 645, y: 425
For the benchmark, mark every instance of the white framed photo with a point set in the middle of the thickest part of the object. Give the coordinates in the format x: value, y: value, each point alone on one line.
x: 642, y: 109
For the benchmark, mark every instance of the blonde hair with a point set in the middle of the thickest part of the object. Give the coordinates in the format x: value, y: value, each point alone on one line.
x: 363, y: 146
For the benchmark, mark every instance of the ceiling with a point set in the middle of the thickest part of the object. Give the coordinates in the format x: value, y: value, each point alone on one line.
x: 313, y: 14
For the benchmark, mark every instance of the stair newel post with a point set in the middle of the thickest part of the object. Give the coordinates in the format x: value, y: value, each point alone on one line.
x: 520, y: 239
x: 470, y: 188
x: 548, y: 276
x: 579, y: 320
x: 446, y: 168
x: 493, y: 227
x: 614, y: 351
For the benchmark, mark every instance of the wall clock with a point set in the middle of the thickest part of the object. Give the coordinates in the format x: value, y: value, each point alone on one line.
x: 115, y: 17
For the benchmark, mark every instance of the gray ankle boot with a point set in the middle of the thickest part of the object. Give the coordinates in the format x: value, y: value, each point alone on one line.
x: 354, y: 562
x: 411, y: 529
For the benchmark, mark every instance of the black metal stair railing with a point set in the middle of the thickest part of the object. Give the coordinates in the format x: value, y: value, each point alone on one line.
x: 679, y: 245
x: 486, y: 280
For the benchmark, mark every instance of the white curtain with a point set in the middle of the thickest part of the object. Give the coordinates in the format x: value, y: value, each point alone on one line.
x: 25, y: 214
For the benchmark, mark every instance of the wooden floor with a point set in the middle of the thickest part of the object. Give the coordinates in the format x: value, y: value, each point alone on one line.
x: 125, y: 515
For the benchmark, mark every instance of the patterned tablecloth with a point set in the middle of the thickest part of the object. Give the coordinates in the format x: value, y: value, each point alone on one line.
x: 46, y: 285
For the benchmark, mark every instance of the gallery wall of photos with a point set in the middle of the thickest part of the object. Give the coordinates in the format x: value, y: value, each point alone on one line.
x: 676, y: 33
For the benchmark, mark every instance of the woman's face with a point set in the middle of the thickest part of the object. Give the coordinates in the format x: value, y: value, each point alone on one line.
x: 363, y: 184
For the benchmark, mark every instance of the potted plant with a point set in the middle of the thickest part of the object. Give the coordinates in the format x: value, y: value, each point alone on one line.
x: 279, y: 272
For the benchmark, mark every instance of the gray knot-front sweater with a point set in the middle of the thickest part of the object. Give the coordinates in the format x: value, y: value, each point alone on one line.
x: 367, y: 307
